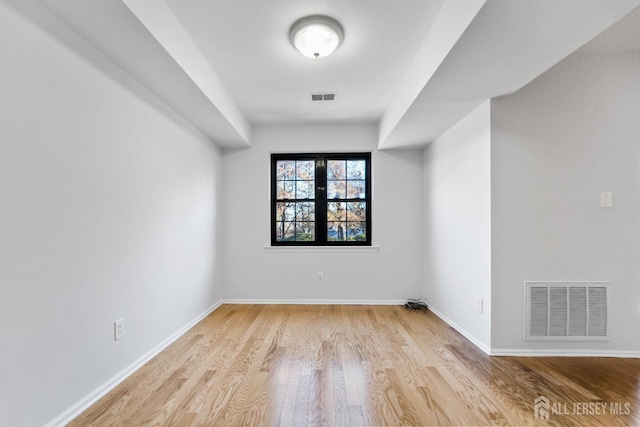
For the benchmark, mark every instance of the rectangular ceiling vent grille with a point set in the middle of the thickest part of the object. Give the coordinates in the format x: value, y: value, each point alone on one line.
x: 574, y: 311
x: 323, y: 96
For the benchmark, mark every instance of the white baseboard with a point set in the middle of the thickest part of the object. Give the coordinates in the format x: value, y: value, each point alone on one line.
x: 536, y: 352
x: 314, y: 301
x: 564, y: 353
x: 461, y: 331
x: 67, y: 416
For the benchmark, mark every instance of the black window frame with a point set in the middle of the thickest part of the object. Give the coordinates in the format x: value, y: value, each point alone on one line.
x: 321, y: 202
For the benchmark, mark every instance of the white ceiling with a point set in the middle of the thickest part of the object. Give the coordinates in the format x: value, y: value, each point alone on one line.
x: 247, y: 44
x: 624, y: 36
x: 414, y: 67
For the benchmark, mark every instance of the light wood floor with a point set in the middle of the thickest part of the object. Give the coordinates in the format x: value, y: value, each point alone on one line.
x: 278, y: 365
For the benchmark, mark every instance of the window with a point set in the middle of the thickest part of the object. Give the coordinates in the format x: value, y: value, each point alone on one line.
x: 321, y: 199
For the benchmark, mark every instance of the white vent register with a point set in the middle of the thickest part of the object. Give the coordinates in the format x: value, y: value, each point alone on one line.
x: 323, y: 96
x: 566, y: 311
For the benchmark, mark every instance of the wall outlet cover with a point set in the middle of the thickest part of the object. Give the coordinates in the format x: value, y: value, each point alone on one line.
x: 118, y: 329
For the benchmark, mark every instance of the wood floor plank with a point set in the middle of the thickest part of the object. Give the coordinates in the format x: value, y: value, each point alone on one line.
x: 287, y: 411
x: 340, y: 401
x: 329, y: 365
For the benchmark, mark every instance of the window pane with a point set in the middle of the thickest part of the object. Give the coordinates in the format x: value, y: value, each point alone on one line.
x: 285, y: 169
x: 305, y: 169
x: 356, y: 190
x: 285, y: 189
x: 357, y: 231
x: 305, y: 231
x: 306, y: 211
x: 285, y: 231
x: 285, y: 211
x: 336, y: 211
x: 356, y: 169
x: 337, y: 190
x: 305, y: 189
x: 336, y: 169
x: 357, y: 211
x: 337, y: 231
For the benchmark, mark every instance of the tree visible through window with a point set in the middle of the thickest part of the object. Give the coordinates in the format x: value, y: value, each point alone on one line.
x: 321, y: 199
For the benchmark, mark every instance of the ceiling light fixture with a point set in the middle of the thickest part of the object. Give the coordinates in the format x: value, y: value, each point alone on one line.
x: 316, y: 36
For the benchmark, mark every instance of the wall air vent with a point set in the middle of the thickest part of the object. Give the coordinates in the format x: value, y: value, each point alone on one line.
x: 323, y: 96
x: 561, y: 311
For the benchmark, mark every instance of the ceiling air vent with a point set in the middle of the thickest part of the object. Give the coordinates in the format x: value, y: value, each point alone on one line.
x: 561, y: 311
x: 323, y: 96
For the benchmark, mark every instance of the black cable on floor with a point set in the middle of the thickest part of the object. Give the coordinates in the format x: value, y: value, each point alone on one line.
x: 416, y: 304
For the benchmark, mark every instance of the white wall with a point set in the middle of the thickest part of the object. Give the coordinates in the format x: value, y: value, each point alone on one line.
x: 457, y: 225
x: 108, y: 209
x: 251, y: 273
x: 556, y: 144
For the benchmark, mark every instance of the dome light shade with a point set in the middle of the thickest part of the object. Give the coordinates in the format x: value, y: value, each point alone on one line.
x: 316, y: 36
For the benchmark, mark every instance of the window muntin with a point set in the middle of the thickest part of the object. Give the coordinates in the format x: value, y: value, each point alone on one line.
x: 321, y: 199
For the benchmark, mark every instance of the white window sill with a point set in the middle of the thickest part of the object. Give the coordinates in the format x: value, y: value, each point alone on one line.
x: 325, y: 249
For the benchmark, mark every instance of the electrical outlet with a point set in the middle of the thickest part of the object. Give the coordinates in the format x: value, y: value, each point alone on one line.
x: 479, y: 305
x: 606, y: 199
x: 320, y: 276
x: 118, y: 329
